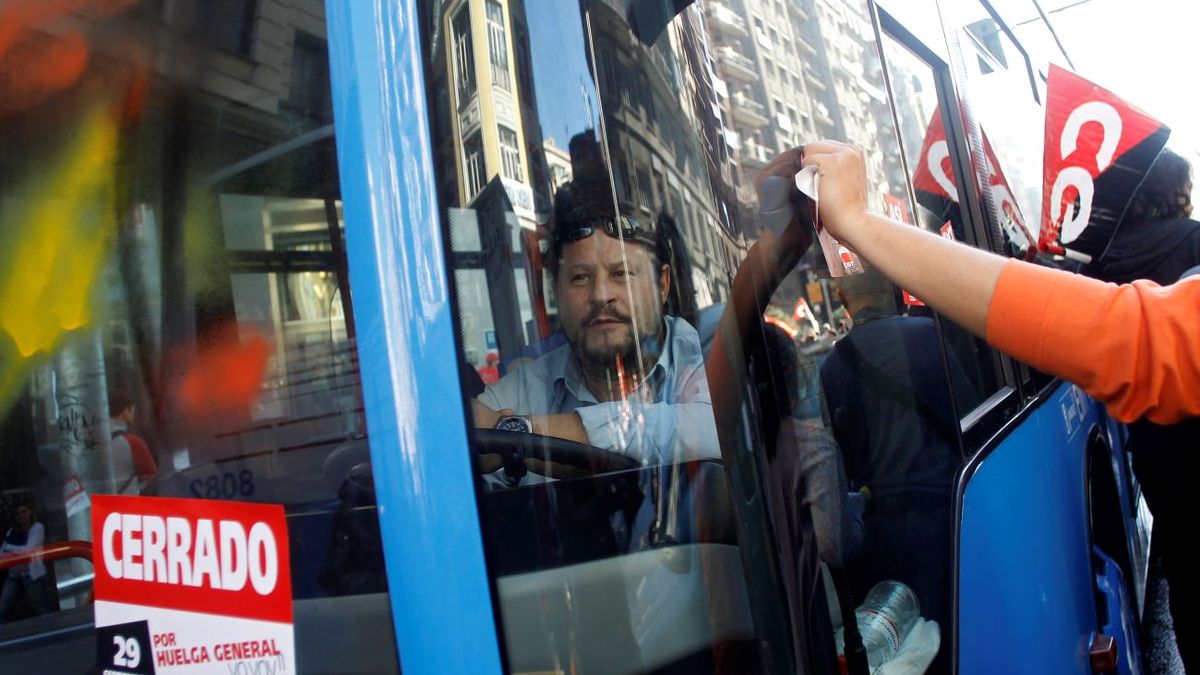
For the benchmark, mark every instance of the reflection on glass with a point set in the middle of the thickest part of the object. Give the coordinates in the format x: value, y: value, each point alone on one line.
x: 893, y: 410
x: 1008, y: 123
x: 1034, y: 34
x: 598, y: 212
x: 924, y: 144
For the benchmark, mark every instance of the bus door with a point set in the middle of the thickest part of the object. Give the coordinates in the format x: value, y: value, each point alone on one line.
x: 1071, y: 523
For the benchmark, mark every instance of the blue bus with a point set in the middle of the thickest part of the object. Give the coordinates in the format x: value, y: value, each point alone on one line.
x: 482, y: 293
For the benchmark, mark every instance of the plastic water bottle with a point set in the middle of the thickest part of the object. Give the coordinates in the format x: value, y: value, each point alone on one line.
x: 884, y: 619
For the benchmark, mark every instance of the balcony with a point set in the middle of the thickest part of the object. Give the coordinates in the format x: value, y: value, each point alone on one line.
x: 872, y: 90
x: 736, y: 66
x: 749, y: 112
x: 754, y: 156
x: 822, y: 114
x: 723, y: 21
x: 852, y: 69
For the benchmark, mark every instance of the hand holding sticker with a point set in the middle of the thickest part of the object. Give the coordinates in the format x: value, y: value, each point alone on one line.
x: 838, y: 258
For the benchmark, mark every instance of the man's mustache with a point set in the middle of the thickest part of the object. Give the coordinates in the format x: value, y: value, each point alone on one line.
x: 607, y: 314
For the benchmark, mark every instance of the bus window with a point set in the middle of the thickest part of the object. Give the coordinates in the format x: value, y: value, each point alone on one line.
x: 589, y: 263
x: 589, y: 288
x: 1006, y: 124
x: 177, y: 312
x: 1033, y: 33
x: 927, y: 150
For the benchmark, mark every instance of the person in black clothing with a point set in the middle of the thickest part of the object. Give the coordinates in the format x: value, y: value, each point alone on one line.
x: 1158, y: 241
x: 28, y: 580
x: 895, y: 417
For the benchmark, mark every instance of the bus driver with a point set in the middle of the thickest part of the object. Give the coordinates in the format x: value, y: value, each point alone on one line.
x: 630, y: 379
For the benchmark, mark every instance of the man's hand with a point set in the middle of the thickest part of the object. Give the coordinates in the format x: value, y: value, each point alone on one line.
x: 797, y: 235
x: 843, y: 186
x: 566, y: 425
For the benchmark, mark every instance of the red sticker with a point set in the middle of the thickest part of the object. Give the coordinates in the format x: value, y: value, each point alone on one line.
x: 196, y: 555
x: 912, y: 300
x: 895, y: 208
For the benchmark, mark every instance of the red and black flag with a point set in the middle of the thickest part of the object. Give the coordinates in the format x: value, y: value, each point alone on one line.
x: 933, y: 177
x: 933, y: 180
x: 1098, y: 150
x: 1004, y: 203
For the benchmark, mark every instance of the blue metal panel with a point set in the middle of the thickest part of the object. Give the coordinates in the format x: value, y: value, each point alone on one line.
x: 440, y: 600
x: 1119, y: 607
x: 1026, y: 600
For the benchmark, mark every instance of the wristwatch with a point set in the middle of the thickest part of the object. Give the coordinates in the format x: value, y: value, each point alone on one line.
x: 517, y: 423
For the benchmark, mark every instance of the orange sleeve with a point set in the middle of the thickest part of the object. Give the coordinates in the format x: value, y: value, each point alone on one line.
x: 1135, y: 347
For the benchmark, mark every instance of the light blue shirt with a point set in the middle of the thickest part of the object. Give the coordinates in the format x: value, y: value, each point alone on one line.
x: 668, y: 418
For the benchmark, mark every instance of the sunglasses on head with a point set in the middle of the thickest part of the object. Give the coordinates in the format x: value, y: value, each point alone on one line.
x: 626, y: 227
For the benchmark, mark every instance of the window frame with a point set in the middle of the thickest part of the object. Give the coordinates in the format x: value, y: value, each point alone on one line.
x: 438, y: 585
x: 510, y: 153
x: 498, y: 45
x: 474, y: 164
x: 978, y: 425
x: 466, y: 80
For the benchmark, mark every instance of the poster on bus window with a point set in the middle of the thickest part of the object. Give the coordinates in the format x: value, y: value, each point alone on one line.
x: 191, y: 586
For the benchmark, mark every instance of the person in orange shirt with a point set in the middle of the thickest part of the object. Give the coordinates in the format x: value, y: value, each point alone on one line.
x: 1135, y: 347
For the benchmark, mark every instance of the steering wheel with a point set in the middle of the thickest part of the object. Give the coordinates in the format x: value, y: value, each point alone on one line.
x: 515, y: 447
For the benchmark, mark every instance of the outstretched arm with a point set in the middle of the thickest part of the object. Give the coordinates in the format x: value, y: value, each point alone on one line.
x: 954, y: 278
x: 1135, y: 347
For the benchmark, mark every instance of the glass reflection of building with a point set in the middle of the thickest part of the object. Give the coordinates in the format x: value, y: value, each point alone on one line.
x: 658, y: 98
x: 274, y: 180
x: 486, y: 127
x: 798, y: 70
x: 690, y: 115
x: 489, y: 131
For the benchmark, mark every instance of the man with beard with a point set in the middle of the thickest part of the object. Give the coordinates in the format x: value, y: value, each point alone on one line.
x: 629, y: 380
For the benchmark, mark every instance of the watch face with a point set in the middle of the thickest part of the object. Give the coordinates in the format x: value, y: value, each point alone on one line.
x: 515, y: 423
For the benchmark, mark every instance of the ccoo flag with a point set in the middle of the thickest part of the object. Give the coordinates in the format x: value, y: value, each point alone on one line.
x: 933, y: 177
x: 1098, y: 150
x: 937, y: 190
